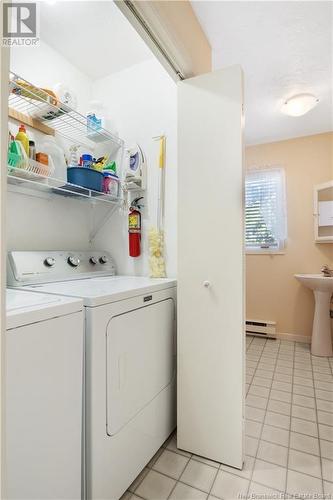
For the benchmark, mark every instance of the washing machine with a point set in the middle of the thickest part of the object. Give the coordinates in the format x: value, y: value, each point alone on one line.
x: 130, y: 328
x: 43, y: 397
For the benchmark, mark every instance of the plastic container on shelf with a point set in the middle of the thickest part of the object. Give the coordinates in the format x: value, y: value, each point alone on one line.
x: 51, y: 148
x: 111, y: 184
x: 85, y: 177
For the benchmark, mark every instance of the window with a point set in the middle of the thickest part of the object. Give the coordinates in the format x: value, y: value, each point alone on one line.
x: 265, y: 210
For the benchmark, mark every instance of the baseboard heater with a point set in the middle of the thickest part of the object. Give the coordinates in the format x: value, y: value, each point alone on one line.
x: 261, y: 328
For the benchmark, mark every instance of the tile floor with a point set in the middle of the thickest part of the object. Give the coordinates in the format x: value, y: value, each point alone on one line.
x: 289, y: 436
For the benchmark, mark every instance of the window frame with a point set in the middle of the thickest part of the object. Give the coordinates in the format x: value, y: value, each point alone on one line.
x: 282, y: 242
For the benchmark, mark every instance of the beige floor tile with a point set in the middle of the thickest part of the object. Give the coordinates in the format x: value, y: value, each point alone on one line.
x: 256, y: 414
x: 274, y: 453
x: 275, y: 435
x: 308, y: 382
x: 305, y: 463
x: 303, y: 401
x: 301, y: 484
x: 277, y: 420
x: 229, y: 486
x: 259, y: 491
x: 280, y: 396
x: 279, y: 407
x: 328, y: 488
x: 304, y: 427
x: 256, y: 401
x: 325, y: 405
x: 269, y: 474
x: 326, y: 386
x: 155, y: 486
x: 325, y: 377
x: 302, y: 390
x: 245, y: 472
x: 253, y: 428
x: 185, y: 492
x: 326, y: 448
x: 326, y: 395
x: 170, y: 463
x: 326, y: 432
x: 304, y: 413
x: 327, y: 469
x: 264, y: 374
x: 263, y: 382
x: 281, y: 386
x: 303, y: 373
x: 257, y: 390
x: 251, y: 446
x: 304, y: 443
x: 325, y: 418
x: 198, y: 475
x: 282, y: 377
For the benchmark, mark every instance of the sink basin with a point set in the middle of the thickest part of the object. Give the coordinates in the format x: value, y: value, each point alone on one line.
x: 322, y: 287
x: 316, y: 282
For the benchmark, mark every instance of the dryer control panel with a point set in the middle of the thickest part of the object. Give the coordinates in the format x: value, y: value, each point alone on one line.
x: 25, y: 268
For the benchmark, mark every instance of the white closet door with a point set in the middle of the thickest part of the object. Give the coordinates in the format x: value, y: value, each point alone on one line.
x: 211, y: 333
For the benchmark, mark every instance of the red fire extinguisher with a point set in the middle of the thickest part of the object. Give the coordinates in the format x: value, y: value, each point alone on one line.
x: 134, y: 228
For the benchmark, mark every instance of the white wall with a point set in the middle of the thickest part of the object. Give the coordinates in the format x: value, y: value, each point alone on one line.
x: 40, y: 223
x: 45, y: 67
x: 142, y: 104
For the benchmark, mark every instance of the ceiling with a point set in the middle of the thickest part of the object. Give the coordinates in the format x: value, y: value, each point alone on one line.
x: 93, y: 35
x: 285, y: 48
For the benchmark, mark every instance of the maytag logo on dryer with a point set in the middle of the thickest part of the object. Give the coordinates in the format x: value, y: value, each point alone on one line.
x: 20, y: 24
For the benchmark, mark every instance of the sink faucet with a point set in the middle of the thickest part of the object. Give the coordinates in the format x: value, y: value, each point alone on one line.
x: 327, y: 272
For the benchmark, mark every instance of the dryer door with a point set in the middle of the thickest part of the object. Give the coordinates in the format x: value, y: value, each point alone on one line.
x: 140, y: 360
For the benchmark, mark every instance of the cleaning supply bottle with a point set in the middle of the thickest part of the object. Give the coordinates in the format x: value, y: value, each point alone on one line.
x: 51, y: 148
x: 23, y: 138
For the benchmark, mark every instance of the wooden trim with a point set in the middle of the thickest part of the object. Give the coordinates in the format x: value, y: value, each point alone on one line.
x: 31, y: 122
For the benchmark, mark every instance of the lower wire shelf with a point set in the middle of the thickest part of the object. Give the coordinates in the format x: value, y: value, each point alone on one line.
x: 48, y: 185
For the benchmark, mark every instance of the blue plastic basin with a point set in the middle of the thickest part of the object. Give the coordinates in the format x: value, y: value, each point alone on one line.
x: 85, y: 177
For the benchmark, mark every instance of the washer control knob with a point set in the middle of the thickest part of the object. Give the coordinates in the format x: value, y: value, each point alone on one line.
x: 93, y: 260
x: 103, y: 259
x: 73, y: 261
x: 49, y: 261
x: 206, y: 284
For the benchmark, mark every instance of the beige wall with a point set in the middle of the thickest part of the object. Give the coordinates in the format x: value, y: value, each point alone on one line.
x: 272, y: 291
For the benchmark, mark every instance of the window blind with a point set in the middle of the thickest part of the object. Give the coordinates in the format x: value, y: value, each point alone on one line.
x: 265, y: 211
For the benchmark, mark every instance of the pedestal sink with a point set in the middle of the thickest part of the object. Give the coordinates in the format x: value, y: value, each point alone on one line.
x: 322, y: 286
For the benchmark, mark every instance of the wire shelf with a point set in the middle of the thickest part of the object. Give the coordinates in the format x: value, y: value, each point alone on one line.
x: 48, y: 185
x: 44, y: 106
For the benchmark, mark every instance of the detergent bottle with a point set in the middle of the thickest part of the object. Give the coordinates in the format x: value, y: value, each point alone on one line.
x: 23, y: 138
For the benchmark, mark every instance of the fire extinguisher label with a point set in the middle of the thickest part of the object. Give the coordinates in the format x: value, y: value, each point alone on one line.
x: 133, y: 221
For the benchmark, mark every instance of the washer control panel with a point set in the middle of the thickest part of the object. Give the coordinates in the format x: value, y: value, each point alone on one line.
x: 46, y: 267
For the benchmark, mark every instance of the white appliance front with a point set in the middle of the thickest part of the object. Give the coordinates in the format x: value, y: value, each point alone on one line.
x: 139, y: 362
x: 130, y: 380
x: 44, y: 389
x: 130, y: 359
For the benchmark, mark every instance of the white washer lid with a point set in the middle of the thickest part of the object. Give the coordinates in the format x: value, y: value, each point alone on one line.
x: 24, y: 307
x: 105, y: 290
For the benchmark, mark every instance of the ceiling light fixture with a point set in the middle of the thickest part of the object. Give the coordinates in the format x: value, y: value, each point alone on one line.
x: 299, y: 104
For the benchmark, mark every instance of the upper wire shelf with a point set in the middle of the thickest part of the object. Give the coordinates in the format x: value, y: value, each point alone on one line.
x: 45, y: 107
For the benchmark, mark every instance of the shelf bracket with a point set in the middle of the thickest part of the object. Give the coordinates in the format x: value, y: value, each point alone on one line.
x: 106, y: 216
